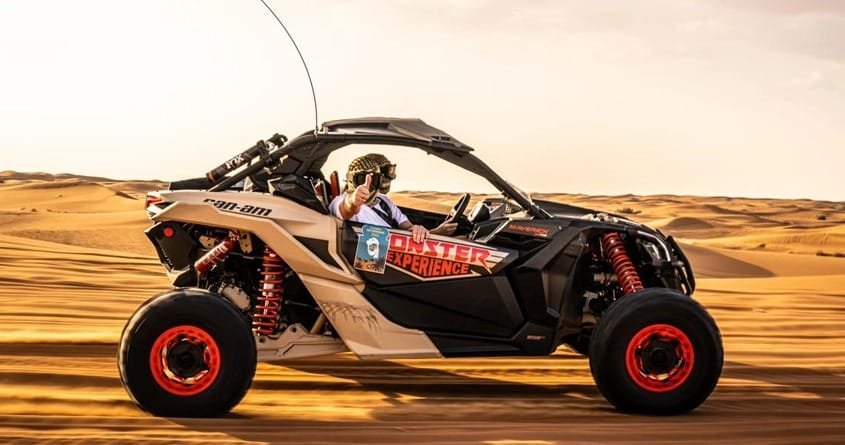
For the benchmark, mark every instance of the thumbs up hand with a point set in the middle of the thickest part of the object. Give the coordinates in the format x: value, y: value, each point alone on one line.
x: 362, y: 192
x: 353, y: 201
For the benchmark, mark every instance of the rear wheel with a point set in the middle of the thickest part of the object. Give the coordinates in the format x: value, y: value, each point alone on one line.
x: 656, y: 351
x: 187, y: 353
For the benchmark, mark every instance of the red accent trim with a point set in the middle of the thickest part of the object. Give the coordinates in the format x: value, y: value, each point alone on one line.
x: 169, y: 232
x: 676, y: 376
x: 150, y: 200
x: 192, y: 385
x: 334, y: 185
x: 320, y: 191
x: 626, y: 273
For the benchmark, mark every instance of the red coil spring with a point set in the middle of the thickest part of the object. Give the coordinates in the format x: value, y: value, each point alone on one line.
x: 217, y: 254
x: 265, y: 316
x: 626, y: 273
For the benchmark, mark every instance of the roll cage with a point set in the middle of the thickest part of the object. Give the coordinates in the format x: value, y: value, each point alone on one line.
x: 306, y: 154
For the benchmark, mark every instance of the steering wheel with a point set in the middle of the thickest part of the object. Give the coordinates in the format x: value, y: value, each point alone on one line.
x: 458, y: 209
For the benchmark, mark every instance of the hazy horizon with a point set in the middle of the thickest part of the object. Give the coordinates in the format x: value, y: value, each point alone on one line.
x: 406, y: 190
x: 704, y: 98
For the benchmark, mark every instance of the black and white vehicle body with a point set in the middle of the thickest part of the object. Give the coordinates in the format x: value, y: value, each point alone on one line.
x: 263, y: 271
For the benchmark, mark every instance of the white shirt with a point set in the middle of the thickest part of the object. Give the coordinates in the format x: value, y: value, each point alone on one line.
x: 369, y: 215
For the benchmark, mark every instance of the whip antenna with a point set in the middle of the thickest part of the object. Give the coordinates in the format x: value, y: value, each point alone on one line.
x: 308, y: 73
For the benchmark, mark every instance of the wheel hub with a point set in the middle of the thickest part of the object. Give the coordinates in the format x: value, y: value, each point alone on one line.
x: 659, y: 358
x: 185, y: 360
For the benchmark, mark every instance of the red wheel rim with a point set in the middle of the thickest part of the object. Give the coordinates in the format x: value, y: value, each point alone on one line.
x: 659, y: 358
x: 185, y: 360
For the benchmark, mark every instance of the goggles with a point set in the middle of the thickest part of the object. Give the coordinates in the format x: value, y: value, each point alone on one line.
x: 388, y: 171
x: 361, y: 179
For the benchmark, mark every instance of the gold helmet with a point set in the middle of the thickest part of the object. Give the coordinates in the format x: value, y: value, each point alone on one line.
x: 388, y: 171
x: 357, y: 173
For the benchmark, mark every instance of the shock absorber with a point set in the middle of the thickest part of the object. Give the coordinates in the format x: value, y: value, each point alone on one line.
x: 217, y: 254
x: 267, y: 310
x: 626, y: 273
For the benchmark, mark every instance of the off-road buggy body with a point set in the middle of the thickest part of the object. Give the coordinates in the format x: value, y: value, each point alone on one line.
x: 263, y: 271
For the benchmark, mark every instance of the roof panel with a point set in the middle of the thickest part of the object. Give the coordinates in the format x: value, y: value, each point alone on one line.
x: 392, y: 126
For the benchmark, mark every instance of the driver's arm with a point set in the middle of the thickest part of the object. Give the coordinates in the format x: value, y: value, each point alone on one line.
x: 418, y: 232
x: 446, y: 228
x: 352, y: 202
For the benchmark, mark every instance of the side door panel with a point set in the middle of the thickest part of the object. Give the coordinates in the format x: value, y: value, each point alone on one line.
x: 441, y: 285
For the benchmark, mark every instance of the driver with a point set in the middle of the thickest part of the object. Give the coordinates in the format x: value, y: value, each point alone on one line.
x: 367, y: 182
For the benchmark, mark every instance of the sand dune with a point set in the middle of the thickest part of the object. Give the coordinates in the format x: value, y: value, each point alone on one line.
x: 68, y: 195
x: 781, y: 264
x: 57, y: 292
x: 73, y: 269
x: 687, y: 223
x: 797, y: 239
x: 712, y: 263
x: 76, y: 211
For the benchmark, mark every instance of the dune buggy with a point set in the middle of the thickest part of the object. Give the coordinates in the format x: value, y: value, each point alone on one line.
x: 262, y: 271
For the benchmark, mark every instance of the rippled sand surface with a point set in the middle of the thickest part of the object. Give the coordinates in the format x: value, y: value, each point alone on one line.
x: 73, y: 269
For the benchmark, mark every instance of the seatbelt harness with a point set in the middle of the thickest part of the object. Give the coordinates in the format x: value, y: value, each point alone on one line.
x: 383, y: 210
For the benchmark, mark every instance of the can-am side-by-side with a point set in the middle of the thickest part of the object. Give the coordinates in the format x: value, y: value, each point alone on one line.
x: 262, y: 270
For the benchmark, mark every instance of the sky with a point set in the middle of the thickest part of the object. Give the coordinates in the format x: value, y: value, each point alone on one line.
x: 729, y: 98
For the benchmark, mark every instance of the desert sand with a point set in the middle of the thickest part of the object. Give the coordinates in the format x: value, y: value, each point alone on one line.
x: 74, y: 264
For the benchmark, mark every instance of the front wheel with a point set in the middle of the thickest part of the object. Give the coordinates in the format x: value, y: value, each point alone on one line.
x: 187, y: 353
x: 656, y: 351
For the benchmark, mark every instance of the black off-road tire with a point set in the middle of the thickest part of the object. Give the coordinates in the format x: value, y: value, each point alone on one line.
x: 636, y: 334
x: 194, y: 329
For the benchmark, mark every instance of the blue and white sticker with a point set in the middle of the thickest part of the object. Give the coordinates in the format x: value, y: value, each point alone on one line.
x: 371, y: 254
